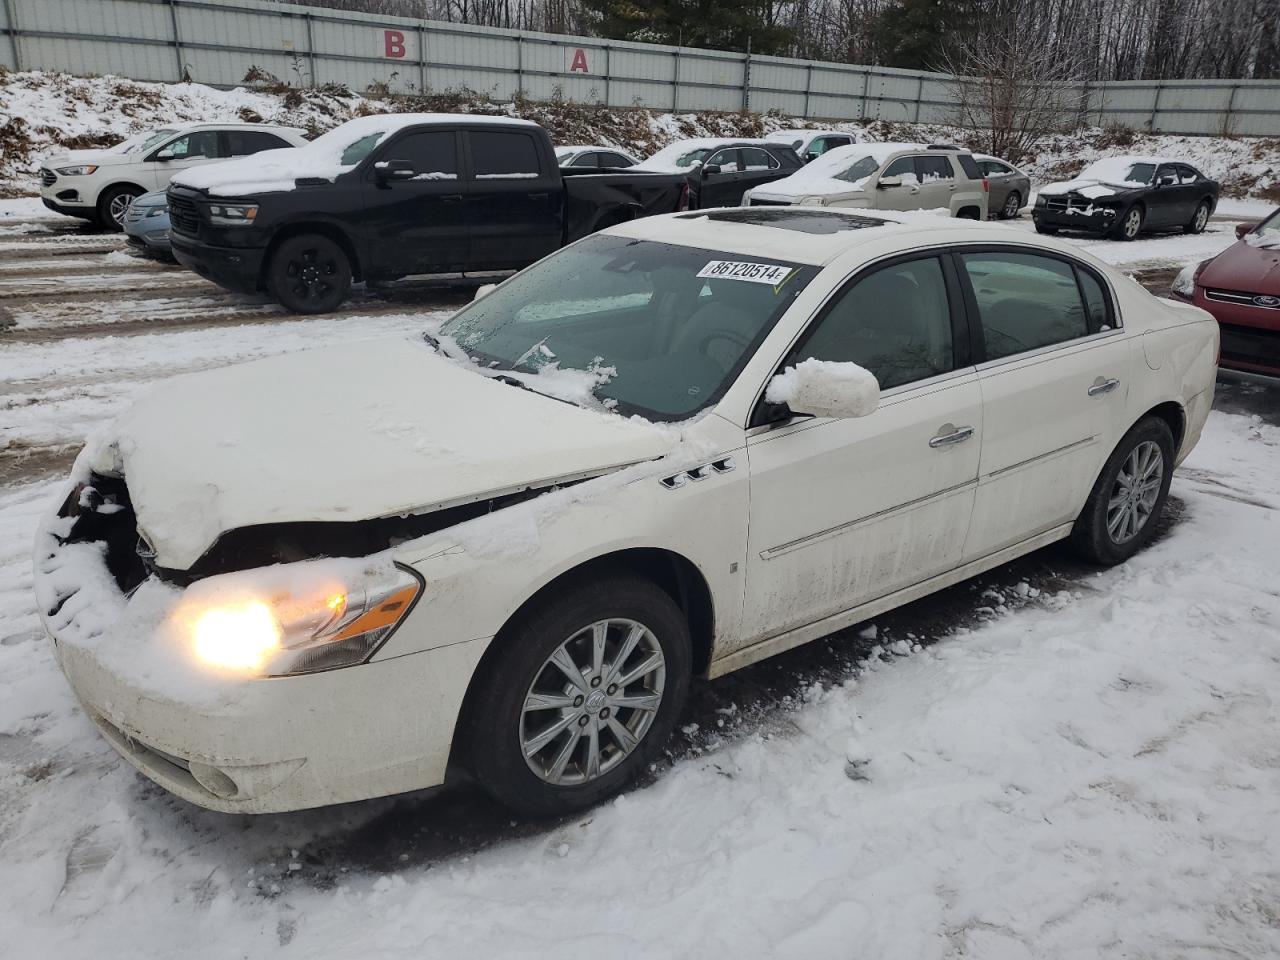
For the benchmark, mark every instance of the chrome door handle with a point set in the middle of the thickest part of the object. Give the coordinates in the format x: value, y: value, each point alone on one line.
x: 1101, y: 386
x: 957, y: 435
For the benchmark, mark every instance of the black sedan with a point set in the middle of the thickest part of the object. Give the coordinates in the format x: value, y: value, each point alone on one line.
x: 1122, y: 197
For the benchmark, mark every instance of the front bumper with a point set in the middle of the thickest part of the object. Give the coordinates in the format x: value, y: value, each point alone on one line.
x: 1250, y: 334
x: 148, y: 233
x: 234, y: 268
x: 1091, y: 218
x: 240, y: 745
x: 83, y: 211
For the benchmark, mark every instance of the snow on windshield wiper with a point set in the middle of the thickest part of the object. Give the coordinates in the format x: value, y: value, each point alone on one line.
x: 432, y: 342
x: 517, y: 382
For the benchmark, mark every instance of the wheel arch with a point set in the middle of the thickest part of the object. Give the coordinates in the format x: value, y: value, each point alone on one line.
x: 332, y: 231
x: 674, y: 573
x: 1172, y: 413
x: 969, y: 211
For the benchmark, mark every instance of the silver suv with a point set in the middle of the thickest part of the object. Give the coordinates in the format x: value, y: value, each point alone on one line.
x: 884, y: 176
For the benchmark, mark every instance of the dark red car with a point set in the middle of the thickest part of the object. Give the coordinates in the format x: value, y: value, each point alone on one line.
x: 1241, y: 288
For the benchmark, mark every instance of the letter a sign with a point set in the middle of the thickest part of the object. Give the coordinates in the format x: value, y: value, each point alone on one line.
x: 575, y: 60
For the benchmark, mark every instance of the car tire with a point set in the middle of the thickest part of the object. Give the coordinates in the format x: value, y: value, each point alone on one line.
x: 500, y: 729
x: 1124, y: 508
x: 112, y: 206
x: 309, y: 273
x: 1129, y: 226
x: 1199, y: 219
x: 1046, y: 230
x: 1012, y: 204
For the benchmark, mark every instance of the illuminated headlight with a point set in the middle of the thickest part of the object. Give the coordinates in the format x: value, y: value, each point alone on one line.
x: 282, y: 621
x: 1184, y: 284
x: 158, y: 211
x: 80, y: 170
x: 233, y: 215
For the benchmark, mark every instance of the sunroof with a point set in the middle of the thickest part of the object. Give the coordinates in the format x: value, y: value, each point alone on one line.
x: 801, y: 221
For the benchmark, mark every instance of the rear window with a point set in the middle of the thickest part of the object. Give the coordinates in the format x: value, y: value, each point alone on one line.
x: 499, y: 155
x: 243, y: 143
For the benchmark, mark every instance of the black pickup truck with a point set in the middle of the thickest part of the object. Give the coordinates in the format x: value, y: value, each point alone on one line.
x: 387, y: 196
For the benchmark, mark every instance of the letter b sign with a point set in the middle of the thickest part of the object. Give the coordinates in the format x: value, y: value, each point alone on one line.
x: 393, y: 44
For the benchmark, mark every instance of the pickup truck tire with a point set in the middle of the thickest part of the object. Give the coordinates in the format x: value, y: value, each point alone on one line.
x: 112, y: 206
x: 309, y: 273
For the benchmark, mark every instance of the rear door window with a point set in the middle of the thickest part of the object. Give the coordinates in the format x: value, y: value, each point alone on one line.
x: 1186, y: 174
x: 1025, y: 301
x: 244, y: 143
x: 502, y: 155
x: 613, y: 160
x: 756, y: 159
x: 934, y: 168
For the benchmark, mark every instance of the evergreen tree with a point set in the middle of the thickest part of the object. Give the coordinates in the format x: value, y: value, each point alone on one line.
x: 696, y: 23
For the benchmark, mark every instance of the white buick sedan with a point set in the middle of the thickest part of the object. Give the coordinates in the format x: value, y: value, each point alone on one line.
x: 667, y: 451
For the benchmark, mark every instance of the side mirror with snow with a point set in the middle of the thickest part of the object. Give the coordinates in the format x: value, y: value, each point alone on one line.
x: 826, y: 388
x: 889, y: 182
x: 1244, y: 229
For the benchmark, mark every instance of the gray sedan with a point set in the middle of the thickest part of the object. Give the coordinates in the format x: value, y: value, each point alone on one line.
x: 146, y: 224
x: 1010, y: 187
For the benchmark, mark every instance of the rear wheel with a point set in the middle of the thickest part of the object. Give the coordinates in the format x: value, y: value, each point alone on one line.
x: 113, y: 204
x: 309, y: 273
x: 1130, y: 224
x: 1012, y: 204
x: 1124, y: 508
x: 582, y: 694
x: 1199, y: 220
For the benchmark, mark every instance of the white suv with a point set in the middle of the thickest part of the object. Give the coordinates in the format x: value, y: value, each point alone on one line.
x: 100, y: 184
x: 883, y: 176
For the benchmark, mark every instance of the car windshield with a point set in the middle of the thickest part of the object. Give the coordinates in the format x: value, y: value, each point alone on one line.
x: 664, y: 329
x: 850, y: 164
x: 138, y: 143
x: 1271, y: 225
x: 1114, y: 170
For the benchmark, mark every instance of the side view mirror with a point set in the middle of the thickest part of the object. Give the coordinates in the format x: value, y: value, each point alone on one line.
x: 709, y: 170
x: 1244, y: 229
x: 890, y: 182
x: 164, y: 156
x: 386, y: 170
x: 825, y: 388
x: 810, y: 157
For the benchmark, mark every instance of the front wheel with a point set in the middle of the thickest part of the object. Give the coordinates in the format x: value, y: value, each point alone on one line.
x: 1199, y: 220
x: 309, y: 273
x: 1130, y: 224
x: 582, y: 694
x: 1048, y: 231
x: 1124, y: 508
x: 114, y: 204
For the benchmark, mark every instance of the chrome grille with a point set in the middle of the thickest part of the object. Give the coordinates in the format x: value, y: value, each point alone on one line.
x: 1243, y: 299
x: 47, y: 177
x: 183, y: 216
x: 1068, y: 204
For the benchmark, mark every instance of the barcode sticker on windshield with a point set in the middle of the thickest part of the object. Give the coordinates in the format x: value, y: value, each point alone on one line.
x: 770, y: 273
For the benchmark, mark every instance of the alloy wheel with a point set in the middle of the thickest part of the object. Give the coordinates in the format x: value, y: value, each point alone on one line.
x: 592, y: 702
x: 119, y: 206
x: 1132, y: 223
x: 1135, y: 493
x: 1202, y: 218
x: 1011, y: 206
x: 309, y: 275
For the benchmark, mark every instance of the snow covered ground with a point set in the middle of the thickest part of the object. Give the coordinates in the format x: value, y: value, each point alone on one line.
x: 1046, y: 762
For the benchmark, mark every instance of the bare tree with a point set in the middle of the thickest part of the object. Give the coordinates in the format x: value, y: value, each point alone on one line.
x: 1012, y: 89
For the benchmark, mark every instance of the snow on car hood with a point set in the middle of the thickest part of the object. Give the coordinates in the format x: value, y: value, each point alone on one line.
x: 1250, y: 264
x: 1102, y: 178
x: 372, y: 429
x: 103, y: 158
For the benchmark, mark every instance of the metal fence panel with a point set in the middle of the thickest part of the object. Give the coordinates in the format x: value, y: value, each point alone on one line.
x: 218, y: 41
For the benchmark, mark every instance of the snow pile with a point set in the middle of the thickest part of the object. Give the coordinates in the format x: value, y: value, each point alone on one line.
x: 826, y: 388
x: 1103, y: 178
x: 325, y: 158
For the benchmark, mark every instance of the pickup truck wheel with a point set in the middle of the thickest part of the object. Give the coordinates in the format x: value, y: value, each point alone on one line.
x: 1124, y: 508
x: 113, y: 204
x: 309, y: 274
x: 582, y: 694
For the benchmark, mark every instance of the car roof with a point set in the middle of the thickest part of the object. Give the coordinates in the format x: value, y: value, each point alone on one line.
x: 812, y: 235
x: 786, y: 136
